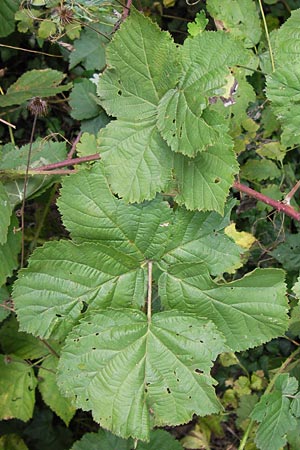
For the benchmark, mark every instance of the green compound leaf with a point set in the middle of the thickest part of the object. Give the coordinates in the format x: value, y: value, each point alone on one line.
x: 137, y: 160
x: 146, y: 373
x: 204, y: 182
x: 34, y: 83
x: 239, y: 17
x: 73, y: 277
x: 184, y: 119
x: 50, y: 392
x: 17, y: 399
x: 248, y: 312
x: 5, y: 213
x: 275, y: 414
x: 139, y: 59
x: 145, y: 230
x: 7, y: 16
x: 9, y: 252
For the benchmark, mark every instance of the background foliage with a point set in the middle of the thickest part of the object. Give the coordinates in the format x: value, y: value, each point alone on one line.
x: 158, y: 296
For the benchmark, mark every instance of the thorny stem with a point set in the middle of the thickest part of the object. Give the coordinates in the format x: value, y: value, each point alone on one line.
x: 281, y: 369
x: 279, y: 206
x: 49, y: 347
x: 69, y: 162
x: 267, y: 34
x: 126, y: 9
x: 149, y: 297
x: 25, y: 190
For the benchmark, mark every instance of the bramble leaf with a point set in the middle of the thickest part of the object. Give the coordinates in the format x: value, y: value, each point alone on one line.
x: 161, y: 95
x: 14, y: 159
x: 275, y: 414
x: 17, y: 399
x: 204, y: 181
x: 288, y: 252
x: 150, y: 229
x: 9, y: 252
x: 283, y: 90
x: 82, y: 100
x: 146, y: 373
x: 7, y: 16
x: 184, y: 119
x: 73, y: 278
x: 138, y: 74
x: 239, y: 17
x: 137, y: 160
x: 34, y: 83
x: 50, y: 392
x: 89, y: 49
x: 248, y: 312
x: 158, y: 439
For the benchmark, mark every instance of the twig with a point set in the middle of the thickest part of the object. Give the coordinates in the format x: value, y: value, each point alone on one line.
x: 25, y: 191
x: 68, y: 162
x: 8, y: 123
x: 267, y: 35
x: 73, y: 148
x: 30, y: 51
x: 126, y: 9
x: 279, y: 206
x: 290, y: 195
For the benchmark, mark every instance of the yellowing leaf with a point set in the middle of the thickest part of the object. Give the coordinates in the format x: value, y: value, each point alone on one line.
x: 242, y: 238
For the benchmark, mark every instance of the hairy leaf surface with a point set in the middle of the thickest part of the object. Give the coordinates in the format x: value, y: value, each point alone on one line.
x: 248, y: 311
x: 146, y: 374
x: 63, y: 279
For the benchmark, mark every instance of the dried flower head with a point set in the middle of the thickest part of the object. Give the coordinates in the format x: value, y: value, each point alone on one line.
x: 38, y: 106
x: 65, y: 15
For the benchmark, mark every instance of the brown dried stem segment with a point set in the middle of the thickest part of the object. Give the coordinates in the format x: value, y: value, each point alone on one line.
x: 279, y: 206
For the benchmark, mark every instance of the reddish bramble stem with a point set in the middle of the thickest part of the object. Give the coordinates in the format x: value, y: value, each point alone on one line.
x: 279, y: 206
